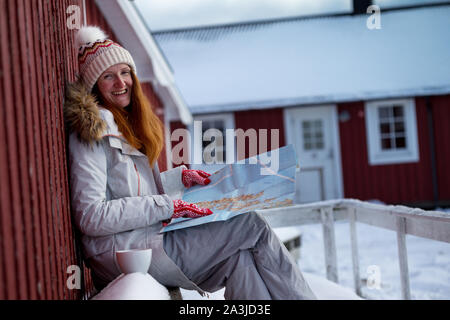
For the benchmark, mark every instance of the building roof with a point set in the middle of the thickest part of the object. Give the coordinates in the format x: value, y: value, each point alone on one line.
x: 311, y: 60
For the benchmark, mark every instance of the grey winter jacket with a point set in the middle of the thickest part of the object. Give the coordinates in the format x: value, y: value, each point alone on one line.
x: 118, y: 200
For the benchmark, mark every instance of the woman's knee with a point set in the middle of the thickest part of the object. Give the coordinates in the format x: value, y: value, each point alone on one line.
x: 254, y: 218
x: 259, y: 221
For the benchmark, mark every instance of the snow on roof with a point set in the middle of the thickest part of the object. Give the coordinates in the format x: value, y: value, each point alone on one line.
x: 310, y: 61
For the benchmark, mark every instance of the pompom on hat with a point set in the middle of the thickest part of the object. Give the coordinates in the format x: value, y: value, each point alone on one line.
x: 96, y: 53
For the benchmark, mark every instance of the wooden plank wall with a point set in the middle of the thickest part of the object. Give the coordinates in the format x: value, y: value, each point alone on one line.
x: 36, y: 237
x: 440, y: 109
x: 37, y: 240
x: 407, y: 183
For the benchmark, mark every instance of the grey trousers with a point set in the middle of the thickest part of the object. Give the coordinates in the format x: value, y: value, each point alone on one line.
x: 243, y: 255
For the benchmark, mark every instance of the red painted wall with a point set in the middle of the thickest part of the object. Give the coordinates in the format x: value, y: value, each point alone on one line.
x: 36, y: 237
x: 440, y: 106
x: 261, y: 119
x: 397, y: 183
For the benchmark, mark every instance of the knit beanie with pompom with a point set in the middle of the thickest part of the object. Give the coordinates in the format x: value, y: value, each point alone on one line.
x: 96, y: 53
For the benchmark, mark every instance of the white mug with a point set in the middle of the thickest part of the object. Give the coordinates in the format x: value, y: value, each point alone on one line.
x: 134, y: 260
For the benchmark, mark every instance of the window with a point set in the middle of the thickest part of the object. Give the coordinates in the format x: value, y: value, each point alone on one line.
x: 392, y: 127
x: 211, y: 145
x: 312, y: 135
x: 391, y: 132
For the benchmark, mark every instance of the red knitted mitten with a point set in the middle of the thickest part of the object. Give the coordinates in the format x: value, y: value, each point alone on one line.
x: 192, y: 177
x: 188, y: 210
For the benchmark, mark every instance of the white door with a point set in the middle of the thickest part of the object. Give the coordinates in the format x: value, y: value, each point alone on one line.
x: 314, y: 134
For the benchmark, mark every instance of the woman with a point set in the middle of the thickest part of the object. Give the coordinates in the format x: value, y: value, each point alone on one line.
x: 120, y: 200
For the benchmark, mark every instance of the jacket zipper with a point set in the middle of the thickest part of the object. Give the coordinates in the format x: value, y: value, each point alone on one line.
x: 139, y: 179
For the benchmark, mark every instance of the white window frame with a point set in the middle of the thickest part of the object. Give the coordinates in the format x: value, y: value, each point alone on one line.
x: 378, y: 156
x: 197, y: 152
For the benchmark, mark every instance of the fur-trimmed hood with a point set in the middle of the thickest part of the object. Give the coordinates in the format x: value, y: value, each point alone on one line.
x: 82, y: 114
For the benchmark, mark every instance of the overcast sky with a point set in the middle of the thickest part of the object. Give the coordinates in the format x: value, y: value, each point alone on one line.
x: 169, y: 14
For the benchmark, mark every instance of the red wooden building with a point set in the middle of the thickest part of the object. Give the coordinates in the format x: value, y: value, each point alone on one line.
x: 367, y: 109
x: 39, y: 253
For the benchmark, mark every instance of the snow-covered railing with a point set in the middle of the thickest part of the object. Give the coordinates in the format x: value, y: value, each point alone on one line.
x: 433, y: 225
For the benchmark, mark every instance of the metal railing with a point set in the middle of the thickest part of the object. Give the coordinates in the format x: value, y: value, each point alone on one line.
x: 403, y: 220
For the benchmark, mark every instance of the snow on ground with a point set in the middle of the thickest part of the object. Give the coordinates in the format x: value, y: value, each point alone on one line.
x: 133, y: 286
x: 322, y: 288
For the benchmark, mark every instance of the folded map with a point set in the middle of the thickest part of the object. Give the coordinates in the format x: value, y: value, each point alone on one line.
x: 240, y: 188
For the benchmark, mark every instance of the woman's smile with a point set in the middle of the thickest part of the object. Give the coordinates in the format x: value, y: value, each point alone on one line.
x: 121, y: 92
